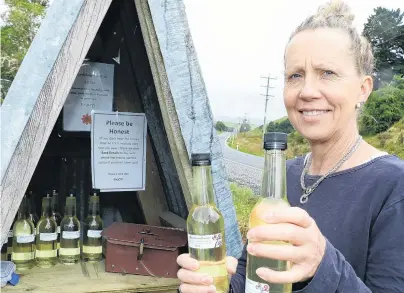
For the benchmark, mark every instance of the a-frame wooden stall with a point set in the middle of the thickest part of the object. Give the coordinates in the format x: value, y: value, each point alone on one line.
x: 156, y: 72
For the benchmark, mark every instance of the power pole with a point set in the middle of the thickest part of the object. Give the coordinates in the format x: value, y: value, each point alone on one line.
x: 267, y: 95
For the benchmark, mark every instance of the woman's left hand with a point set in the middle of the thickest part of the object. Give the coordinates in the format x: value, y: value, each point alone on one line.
x: 293, y: 225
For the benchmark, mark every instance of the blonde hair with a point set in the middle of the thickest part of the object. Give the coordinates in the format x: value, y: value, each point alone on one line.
x: 337, y: 14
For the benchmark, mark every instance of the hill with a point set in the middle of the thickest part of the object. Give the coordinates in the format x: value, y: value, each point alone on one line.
x: 391, y: 140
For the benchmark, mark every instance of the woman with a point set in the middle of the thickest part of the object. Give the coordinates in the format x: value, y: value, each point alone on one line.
x: 346, y: 222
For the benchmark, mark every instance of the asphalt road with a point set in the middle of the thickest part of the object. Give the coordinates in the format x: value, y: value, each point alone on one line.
x: 239, y: 157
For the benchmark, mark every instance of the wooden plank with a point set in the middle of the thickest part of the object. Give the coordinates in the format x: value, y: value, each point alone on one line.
x: 133, y: 40
x: 165, y: 99
x: 152, y: 199
x: 170, y: 41
x: 170, y: 219
x: 38, y: 93
x: 72, y: 278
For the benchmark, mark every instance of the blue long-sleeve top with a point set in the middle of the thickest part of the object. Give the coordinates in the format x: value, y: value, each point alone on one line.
x: 360, y: 211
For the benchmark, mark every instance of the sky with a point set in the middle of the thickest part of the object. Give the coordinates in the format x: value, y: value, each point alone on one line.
x: 237, y: 43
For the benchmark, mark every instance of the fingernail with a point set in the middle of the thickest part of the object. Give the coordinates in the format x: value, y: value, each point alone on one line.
x: 250, y: 234
x: 250, y: 248
x: 260, y: 272
x: 212, y: 289
x: 207, y: 280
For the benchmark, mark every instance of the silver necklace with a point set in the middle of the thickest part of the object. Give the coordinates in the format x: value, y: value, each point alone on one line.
x: 309, y: 190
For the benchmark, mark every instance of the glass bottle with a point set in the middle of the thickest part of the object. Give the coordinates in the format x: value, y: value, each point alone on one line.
x: 32, y: 208
x: 69, y: 252
x: 46, y: 247
x: 10, y: 239
x: 23, y: 239
x: 92, y: 229
x: 273, y: 197
x: 205, y: 225
x: 56, y: 215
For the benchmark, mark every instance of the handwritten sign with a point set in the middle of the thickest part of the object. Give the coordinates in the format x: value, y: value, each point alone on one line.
x: 91, y: 90
x: 118, y: 151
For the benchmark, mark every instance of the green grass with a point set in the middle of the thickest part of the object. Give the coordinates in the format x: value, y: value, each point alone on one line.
x: 244, y: 201
x: 390, y: 141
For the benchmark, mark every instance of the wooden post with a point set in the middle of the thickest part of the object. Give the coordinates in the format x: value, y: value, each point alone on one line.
x: 38, y: 93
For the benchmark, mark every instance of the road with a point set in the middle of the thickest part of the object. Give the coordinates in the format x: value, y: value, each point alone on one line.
x: 239, y: 157
x: 242, y: 168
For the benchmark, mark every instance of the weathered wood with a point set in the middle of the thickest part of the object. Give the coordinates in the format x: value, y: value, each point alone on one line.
x: 170, y: 43
x: 134, y: 42
x: 38, y: 93
x: 67, y: 279
x: 169, y: 219
x: 152, y: 199
x: 168, y: 111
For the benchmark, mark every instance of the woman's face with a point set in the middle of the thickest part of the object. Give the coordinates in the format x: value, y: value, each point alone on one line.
x: 322, y: 84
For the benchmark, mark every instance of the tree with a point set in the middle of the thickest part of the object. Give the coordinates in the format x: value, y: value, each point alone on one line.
x: 245, y: 126
x: 385, y: 30
x: 220, y: 126
x: 384, y: 107
x: 21, y: 22
x: 282, y: 126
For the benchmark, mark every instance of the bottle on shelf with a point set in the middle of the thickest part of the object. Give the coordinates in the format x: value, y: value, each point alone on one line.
x: 10, y: 240
x: 205, y: 224
x: 69, y: 252
x: 273, y: 197
x: 4, y: 251
x: 46, y: 236
x: 56, y: 215
x: 32, y: 208
x: 92, y: 229
x: 23, y: 239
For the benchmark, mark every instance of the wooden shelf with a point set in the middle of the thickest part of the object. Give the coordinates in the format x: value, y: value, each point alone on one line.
x: 88, y: 278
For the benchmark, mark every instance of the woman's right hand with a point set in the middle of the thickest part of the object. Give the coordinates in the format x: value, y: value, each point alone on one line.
x: 194, y: 282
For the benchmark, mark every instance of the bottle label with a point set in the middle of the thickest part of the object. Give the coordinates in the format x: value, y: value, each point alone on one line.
x: 58, y: 230
x: 46, y: 253
x: 256, y: 287
x: 94, y: 233
x: 10, y: 234
x: 92, y: 249
x: 205, y: 241
x: 22, y: 255
x: 25, y: 238
x: 69, y: 251
x: 71, y: 234
x: 48, y: 236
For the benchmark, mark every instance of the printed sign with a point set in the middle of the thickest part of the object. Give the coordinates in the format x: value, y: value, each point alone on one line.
x: 92, y: 89
x: 118, y: 151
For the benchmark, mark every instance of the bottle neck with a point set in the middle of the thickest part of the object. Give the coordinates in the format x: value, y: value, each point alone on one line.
x: 23, y: 210
x: 274, y: 175
x: 55, y: 202
x: 94, y: 206
x: 202, y: 186
x: 70, y: 209
x: 46, y: 207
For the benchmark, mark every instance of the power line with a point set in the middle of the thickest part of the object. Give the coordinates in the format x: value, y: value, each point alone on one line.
x: 267, y: 95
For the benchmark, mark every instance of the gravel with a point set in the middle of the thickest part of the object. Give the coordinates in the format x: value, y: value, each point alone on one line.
x: 244, y: 175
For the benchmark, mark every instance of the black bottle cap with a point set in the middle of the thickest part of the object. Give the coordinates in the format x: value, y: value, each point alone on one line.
x: 275, y: 141
x: 201, y: 159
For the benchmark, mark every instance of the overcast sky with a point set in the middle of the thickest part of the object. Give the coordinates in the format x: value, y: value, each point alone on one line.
x: 238, y: 41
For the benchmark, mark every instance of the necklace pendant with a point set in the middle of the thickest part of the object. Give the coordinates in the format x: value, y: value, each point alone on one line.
x: 304, y: 198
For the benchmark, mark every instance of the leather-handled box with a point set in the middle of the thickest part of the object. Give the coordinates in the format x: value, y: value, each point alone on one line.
x: 143, y: 249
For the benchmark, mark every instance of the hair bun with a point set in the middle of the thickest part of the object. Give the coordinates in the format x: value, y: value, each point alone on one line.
x: 336, y: 9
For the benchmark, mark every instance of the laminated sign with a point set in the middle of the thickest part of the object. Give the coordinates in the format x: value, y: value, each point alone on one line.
x: 118, y: 151
x: 93, y: 89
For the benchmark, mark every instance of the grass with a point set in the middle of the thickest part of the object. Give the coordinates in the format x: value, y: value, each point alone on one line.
x: 244, y: 201
x: 390, y: 141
